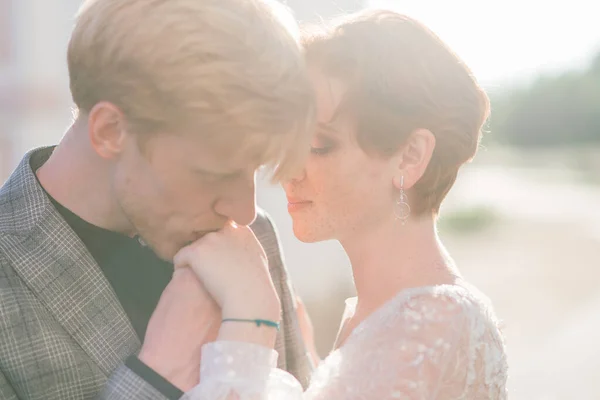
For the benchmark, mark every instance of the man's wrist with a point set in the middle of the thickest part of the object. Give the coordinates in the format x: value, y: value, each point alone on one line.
x: 153, y: 378
x: 183, y: 375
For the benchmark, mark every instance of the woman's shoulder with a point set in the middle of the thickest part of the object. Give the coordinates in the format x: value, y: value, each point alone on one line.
x: 453, y: 322
x: 434, y: 335
x: 448, y: 303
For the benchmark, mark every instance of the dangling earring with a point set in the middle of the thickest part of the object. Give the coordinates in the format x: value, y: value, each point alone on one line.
x: 402, y: 208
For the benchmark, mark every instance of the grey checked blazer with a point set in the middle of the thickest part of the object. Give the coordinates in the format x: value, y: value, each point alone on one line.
x: 63, y: 333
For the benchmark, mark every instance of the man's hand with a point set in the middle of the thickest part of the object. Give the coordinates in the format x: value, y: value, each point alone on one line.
x: 185, y: 318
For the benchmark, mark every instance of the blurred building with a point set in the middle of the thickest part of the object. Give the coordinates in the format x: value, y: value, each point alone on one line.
x: 34, y: 95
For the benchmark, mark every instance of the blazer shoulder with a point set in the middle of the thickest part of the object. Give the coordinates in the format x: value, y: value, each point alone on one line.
x: 263, y: 224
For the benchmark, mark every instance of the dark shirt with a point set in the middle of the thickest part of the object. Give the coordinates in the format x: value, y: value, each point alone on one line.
x: 135, y: 273
x: 138, y: 278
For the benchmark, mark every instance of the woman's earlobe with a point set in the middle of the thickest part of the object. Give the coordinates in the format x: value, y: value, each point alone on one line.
x: 398, y: 182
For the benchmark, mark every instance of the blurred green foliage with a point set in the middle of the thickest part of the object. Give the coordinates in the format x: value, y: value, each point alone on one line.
x: 468, y: 220
x: 552, y: 111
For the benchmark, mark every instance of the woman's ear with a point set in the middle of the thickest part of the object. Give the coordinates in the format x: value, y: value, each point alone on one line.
x: 413, y: 157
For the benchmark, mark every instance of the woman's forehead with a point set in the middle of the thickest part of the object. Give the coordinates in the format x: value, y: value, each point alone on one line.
x: 330, y: 93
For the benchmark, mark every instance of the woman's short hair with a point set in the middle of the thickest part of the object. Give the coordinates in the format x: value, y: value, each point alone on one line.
x: 401, y: 77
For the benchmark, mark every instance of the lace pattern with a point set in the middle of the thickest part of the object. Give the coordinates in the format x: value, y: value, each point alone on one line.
x: 440, y: 342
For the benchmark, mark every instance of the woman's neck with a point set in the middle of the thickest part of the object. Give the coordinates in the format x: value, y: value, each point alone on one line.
x: 393, y: 257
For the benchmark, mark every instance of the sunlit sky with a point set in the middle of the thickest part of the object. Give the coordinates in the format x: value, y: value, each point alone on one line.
x: 502, y: 40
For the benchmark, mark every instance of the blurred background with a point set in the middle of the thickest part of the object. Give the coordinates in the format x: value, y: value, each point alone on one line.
x: 523, y: 221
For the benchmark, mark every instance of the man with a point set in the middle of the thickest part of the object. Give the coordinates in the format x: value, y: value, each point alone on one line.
x: 179, y: 102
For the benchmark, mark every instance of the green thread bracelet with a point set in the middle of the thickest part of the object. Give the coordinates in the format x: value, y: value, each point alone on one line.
x: 258, y: 322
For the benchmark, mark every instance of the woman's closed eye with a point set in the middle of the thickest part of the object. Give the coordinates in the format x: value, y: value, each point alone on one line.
x: 321, y: 150
x: 322, y: 144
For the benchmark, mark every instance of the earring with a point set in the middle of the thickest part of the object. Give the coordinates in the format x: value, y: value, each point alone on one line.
x: 402, y: 208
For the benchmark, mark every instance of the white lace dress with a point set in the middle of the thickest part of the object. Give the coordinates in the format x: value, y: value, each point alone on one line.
x: 439, y: 342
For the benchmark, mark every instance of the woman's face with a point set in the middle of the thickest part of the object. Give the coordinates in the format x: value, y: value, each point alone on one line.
x: 342, y: 190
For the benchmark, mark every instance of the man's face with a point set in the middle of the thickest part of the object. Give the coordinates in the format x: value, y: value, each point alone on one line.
x: 176, y: 188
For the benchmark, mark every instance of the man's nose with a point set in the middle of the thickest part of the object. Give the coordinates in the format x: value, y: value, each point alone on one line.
x: 239, y: 202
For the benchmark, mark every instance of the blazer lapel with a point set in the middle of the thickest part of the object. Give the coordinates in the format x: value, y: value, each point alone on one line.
x: 293, y: 354
x: 56, y: 266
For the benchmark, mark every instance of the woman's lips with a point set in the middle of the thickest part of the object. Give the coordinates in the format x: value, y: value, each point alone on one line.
x: 297, y: 204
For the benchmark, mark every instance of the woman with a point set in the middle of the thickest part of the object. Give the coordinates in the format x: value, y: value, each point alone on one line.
x: 398, y: 114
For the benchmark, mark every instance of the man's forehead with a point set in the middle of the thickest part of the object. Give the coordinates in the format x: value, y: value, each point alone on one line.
x: 226, y: 152
x: 228, y: 159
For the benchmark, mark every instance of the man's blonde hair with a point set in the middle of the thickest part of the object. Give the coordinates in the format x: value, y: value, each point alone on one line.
x: 231, y: 70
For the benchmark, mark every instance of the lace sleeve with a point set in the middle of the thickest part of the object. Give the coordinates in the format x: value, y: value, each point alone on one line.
x: 428, y: 345
x: 242, y: 371
x: 413, y: 351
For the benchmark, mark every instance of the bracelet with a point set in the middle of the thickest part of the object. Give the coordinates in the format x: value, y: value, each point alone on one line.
x: 258, y: 322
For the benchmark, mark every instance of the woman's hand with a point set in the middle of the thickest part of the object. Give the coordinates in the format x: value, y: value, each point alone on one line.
x: 233, y: 267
